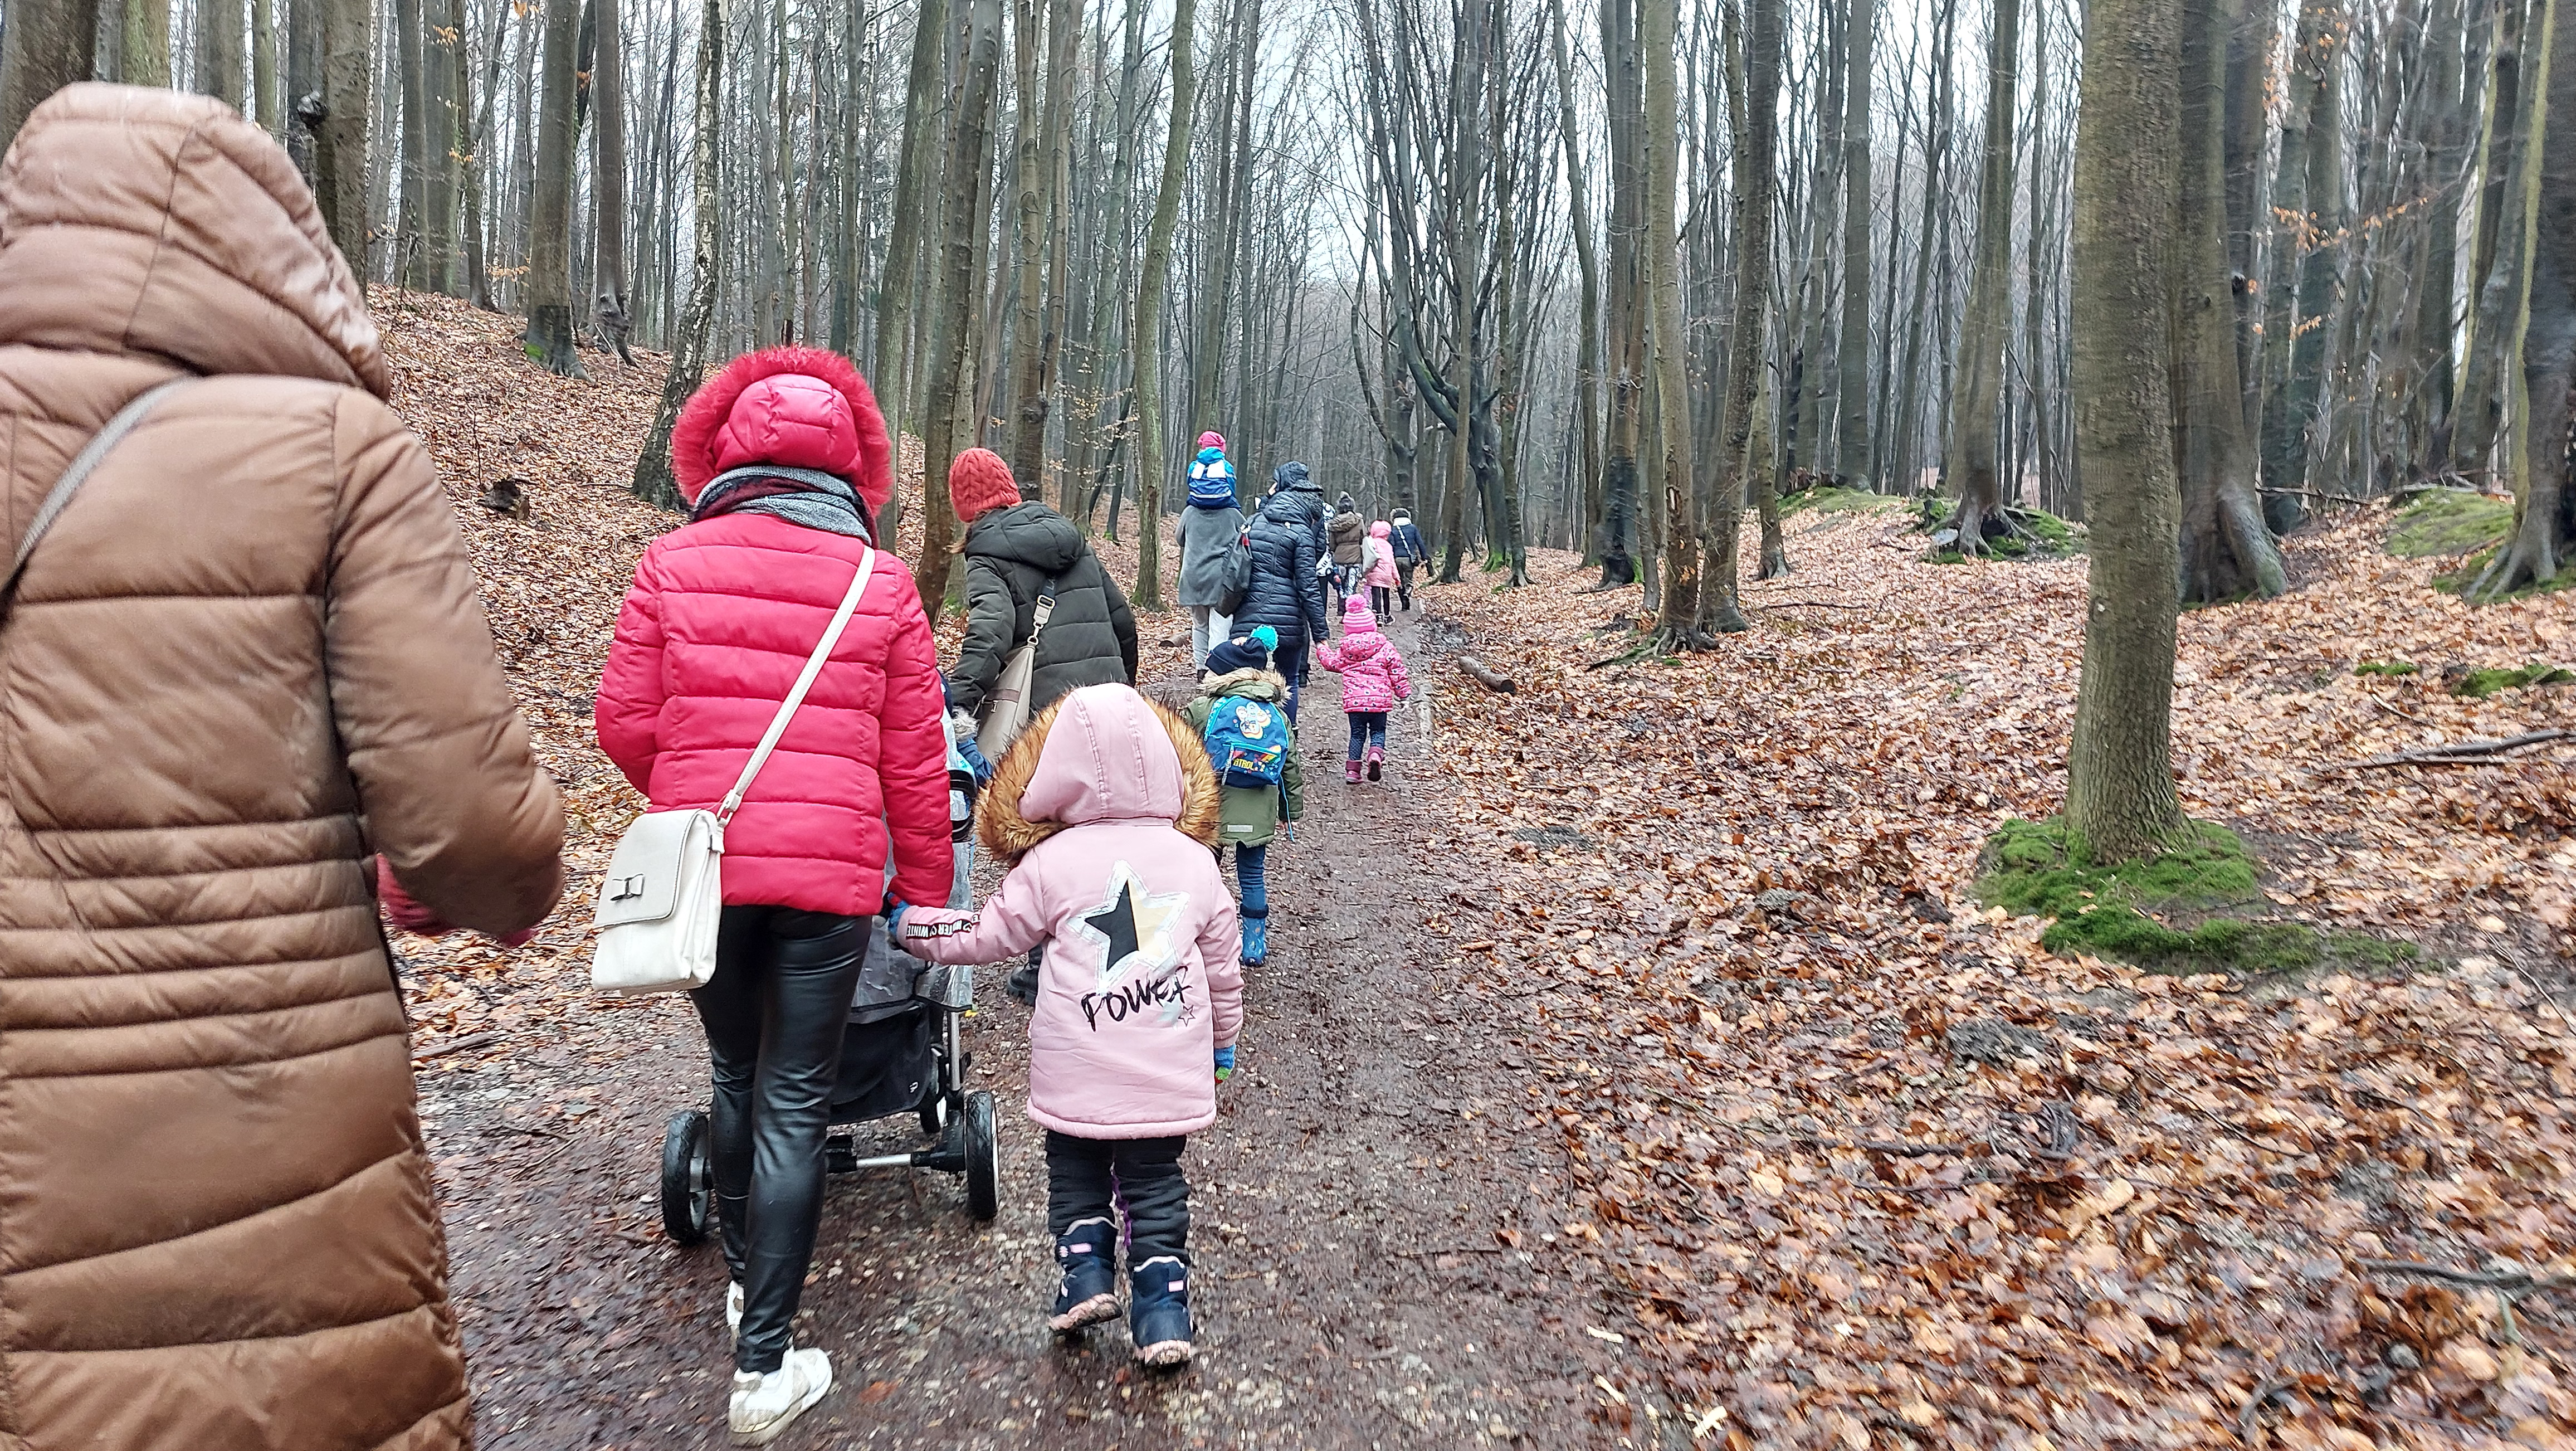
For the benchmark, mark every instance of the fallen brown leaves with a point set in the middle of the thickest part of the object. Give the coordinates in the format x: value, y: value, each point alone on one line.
x: 1865, y: 1167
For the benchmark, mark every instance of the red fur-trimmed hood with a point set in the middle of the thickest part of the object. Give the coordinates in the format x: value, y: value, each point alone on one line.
x: 798, y: 408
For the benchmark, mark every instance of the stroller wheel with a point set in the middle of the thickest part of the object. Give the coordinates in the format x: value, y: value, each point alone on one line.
x: 983, y: 1158
x: 688, y: 1185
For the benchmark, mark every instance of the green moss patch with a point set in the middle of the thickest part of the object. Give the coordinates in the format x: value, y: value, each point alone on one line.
x: 2479, y: 684
x: 2458, y: 581
x: 2034, y: 534
x: 2385, y: 667
x: 2042, y: 869
x: 2448, y: 521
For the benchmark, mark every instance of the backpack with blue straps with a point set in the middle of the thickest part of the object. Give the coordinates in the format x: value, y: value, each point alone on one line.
x: 1248, y: 741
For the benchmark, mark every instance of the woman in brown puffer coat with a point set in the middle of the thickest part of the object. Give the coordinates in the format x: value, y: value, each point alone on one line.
x: 246, y: 654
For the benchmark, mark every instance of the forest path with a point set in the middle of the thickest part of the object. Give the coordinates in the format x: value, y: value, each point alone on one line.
x: 1351, y: 1288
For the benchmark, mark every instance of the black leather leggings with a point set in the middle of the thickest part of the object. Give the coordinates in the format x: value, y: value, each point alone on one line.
x: 774, y: 1014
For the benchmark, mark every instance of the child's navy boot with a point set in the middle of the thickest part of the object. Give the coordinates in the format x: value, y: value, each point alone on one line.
x: 1087, y: 1290
x: 1158, y: 1311
x: 1256, y: 938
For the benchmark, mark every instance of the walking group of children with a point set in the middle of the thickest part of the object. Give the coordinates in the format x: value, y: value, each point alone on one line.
x: 1115, y: 815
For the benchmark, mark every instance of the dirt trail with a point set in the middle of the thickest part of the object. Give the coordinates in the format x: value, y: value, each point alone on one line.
x: 1351, y: 1286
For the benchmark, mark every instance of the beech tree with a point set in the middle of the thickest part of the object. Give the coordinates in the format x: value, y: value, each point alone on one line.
x: 2119, y: 777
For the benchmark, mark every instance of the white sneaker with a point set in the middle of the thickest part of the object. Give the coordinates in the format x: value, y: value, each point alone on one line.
x: 765, y: 1405
x: 733, y: 1308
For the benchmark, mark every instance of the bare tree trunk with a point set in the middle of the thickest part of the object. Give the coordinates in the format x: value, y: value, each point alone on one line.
x: 1146, y: 339
x: 549, y: 337
x: 2544, y: 345
x: 48, y: 44
x: 1755, y: 114
x: 219, y: 50
x: 1679, y: 622
x: 144, y: 49
x: 335, y: 116
x: 476, y: 112
x: 411, y: 151
x: 2496, y: 258
x: 1627, y: 329
x: 608, y: 184
x: 1028, y: 263
x: 442, y: 76
x: 1987, y: 329
x: 903, y: 244
x: 263, y: 65
x: 2120, y: 794
x: 1853, y: 462
x: 653, y: 481
x: 2227, y: 551
x: 947, y: 424
x: 1587, y: 367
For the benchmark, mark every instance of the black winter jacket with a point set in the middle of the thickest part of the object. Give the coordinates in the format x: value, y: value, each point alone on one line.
x: 1287, y: 594
x: 1089, y: 640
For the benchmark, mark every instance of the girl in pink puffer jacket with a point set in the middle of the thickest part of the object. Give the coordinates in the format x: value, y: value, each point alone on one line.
x: 1373, y: 680
x: 1381, y: 576
x: 1108, y: 807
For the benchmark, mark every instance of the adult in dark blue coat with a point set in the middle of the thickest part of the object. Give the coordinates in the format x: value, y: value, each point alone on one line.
x: 1287, y: 593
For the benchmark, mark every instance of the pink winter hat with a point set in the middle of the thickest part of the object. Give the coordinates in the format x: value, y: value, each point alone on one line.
x: 1211, y: 439
x: 1358, y: 614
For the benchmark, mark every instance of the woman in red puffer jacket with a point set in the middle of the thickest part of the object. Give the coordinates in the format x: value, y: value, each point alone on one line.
x: 784, y: 461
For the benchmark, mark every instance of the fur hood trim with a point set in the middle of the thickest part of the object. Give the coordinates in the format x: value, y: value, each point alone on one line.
x: 1003, y: 831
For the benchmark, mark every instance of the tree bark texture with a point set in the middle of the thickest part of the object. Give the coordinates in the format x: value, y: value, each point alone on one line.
x: 1151, y: 284
x: 1851, y: 356
x: 2119, y: 781
x: 1756, y: 130
x: 1679, y: 622
x: 550, y: 339
x: 47, y: 45
x: 947, y: 421
x: 653, y: 481
x: 2227, y: 551
x: 609, y: 305
x: 1973, y: 457
x: 2544, y: 523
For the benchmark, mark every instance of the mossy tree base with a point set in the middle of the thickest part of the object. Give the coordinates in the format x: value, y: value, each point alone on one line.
x: 2044, y: 869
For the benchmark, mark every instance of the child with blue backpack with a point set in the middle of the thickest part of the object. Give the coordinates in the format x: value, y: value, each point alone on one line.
x: 1241, y: 715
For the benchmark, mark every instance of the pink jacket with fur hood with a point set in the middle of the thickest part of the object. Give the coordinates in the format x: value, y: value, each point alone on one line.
x: 1381, y: 572
x: 1109, y: 806
x: 1372, y: 673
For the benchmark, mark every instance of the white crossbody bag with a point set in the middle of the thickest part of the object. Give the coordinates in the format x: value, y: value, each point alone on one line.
x: 664, y: 892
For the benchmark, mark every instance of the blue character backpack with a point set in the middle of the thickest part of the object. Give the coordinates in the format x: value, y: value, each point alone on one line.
x: 1248, y: 741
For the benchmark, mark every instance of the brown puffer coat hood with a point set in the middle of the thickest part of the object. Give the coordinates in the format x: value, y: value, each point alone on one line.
x: 246, y: 653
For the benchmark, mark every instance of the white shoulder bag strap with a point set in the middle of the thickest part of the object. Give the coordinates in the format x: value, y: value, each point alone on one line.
x: 83, y: 463
x: 796, y: 697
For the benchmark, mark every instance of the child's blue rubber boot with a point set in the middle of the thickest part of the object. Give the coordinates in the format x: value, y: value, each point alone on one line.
x: 1256, y: 938
x: 1087, y: 1292
x: 1158, y: 1311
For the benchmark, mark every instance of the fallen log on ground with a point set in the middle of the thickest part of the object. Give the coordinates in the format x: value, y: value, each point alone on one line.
x: 1486, y: 677
x: 2458, y: 753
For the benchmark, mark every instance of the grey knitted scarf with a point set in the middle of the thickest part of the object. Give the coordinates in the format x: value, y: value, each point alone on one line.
x: 800, y: 496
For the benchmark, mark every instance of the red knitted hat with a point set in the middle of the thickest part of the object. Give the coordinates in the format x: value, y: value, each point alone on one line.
x: 979, y: 482
x: 799, y: 408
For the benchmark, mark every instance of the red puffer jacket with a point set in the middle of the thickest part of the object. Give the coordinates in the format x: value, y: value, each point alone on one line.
x: 721, y: 619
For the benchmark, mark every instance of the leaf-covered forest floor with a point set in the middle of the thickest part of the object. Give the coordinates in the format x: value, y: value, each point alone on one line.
x: 1817, y: 1152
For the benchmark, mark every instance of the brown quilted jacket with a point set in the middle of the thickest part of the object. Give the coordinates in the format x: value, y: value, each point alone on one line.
x: 249, y: 651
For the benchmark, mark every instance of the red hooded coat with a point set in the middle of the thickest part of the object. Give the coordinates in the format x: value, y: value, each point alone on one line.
x: 721, y: 619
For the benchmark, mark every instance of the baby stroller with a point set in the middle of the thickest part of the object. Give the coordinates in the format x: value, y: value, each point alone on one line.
x: 900, y: 1054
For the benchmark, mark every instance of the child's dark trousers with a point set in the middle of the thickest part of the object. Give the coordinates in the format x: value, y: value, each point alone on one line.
x: 1142, y: 1176
x: 1368, y: 728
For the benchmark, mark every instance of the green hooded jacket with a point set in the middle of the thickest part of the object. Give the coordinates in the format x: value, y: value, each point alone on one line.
x: 1250, y: 815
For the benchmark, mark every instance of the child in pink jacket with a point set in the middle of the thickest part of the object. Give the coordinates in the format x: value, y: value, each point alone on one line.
x: 1373, y: 680
x: 1380, y: 574
x: 1108, y: 807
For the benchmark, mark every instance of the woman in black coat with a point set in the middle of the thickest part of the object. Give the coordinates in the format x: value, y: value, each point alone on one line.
x: 1287, y: 593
